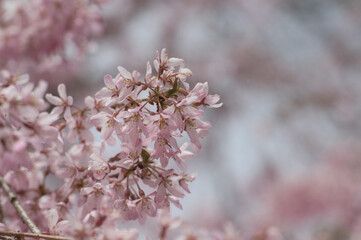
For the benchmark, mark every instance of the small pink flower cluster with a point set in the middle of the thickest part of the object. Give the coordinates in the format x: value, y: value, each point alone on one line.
x: 41, y: 31
x: 146, y: 117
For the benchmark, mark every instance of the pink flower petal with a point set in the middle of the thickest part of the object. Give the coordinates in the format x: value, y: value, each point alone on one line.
x: 108, y: 80
x: 125, y: 73
x: 89, y: 102
x: 106, y: 132
x: 62, y: 91
x: 53, y: 100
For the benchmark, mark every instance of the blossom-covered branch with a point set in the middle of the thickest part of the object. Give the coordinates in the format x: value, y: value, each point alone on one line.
x: 145, y: 116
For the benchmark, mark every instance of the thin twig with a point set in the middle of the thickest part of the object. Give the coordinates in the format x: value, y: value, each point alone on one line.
x: 33, y: 235
x: 19, y: 209
x: 1, y: 212
x: 6, y: 238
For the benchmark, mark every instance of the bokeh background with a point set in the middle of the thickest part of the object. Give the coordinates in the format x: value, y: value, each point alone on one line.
x: 284, y: 154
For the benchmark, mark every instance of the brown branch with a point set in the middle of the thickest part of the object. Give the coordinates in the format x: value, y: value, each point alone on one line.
x: 19, y: 209
x: 33, y: 235
x: 1, y: 213
x: 6, y: 238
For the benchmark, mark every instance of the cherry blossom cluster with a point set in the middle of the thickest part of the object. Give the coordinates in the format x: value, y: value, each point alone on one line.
x: 144, y: 118
x: 46, y: 32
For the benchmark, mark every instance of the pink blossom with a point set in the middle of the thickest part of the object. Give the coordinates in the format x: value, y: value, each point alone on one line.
x: 182, y: 156
x: 94, y: 196
x: 119, y: 88
x: 107, y: 122
x: 96, y: 105
x: 98, y: 166
x: 80, y: 127
x: 145, y: 206
x: 199, y: 95
x: 194, y: 129
x: 168, y: 184
x: 128, y: 208
x: 162, y: 62
x: 64, y: 102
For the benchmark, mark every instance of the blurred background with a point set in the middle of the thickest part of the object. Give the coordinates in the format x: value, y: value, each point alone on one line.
x: 285, y: 148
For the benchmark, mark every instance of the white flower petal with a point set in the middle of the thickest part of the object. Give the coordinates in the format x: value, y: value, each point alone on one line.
x: 108, y: 80
x: 53, y: 100
x: 89, y: 102
x: 62, y: 91
x: 125, y: 73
